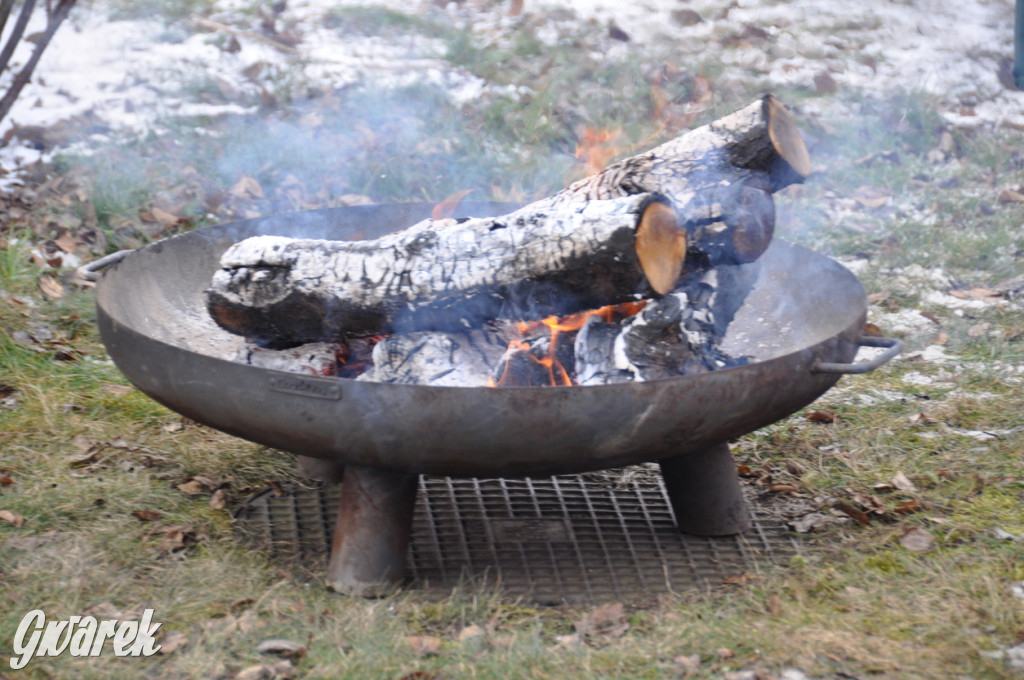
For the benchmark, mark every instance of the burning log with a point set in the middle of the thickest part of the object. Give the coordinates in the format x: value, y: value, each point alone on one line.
x: 720, y: 177
x: 699, y: 201
x: 677, y: 334
x: 458, y: 359
x: 529, y: 264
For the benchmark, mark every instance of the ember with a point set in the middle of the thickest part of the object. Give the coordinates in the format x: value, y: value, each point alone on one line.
x: 521, y: 358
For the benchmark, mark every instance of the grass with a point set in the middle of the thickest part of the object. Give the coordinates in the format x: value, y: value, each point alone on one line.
x: 856, y: 602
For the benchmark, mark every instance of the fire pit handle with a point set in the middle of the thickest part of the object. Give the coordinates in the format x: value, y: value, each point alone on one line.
x: 91, y: 270
x: 894, y: 347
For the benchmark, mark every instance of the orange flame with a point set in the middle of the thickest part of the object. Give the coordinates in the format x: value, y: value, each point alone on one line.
x: 447, y: 207
x: 557, y: 327
x: 597, y: 148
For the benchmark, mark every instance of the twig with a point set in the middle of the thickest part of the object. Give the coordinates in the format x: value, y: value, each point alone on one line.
x: 54, y: 20
x: 19, y: 30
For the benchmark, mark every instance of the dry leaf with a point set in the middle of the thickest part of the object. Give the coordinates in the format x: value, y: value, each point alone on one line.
x: 569, y: 641
x: 854, y: 512
x: 424, y: 645
x: 922, y: 419
x: 147, y: 515
x: 942, y: 338
x: 220, y: 499
x: 794, y: 468
x: 259, y: 671
x: 608, y: 620
x: 515, y: 8
x: 165, y: 218
x: 975, y: 294
x: 469, y: 632
x: 1011, y: 196
x: 51, y: 287
x: 281, y: 647
x: 690, y: 663
x: 246, y: 187
x: 83, y: 458
x: 5, y: 480
x: 191, y: 487
x: 82, y: 443
x: 979, y: 329
x: 736, y: 580
x: 172, y: 642
x: 880, y: 296
x: 901, y: 482
x: 917, y: 540
x: 12, y: 518
x: 822, y: 415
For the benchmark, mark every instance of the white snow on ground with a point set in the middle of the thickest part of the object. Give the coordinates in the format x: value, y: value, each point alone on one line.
x: 128, y: 73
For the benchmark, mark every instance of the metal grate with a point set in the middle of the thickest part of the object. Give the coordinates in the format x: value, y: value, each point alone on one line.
x: 565, y: 539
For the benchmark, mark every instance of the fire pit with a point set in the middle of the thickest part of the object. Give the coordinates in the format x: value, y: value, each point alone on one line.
x: 801, y: 325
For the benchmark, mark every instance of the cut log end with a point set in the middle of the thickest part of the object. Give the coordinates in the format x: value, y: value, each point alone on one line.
x: 785, y: 136
x: 660, y: 246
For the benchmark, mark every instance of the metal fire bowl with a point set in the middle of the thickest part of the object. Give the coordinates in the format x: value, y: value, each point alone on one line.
x: 805, y: 314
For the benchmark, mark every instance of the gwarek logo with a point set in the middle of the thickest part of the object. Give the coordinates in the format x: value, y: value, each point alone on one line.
x: 82, y: 636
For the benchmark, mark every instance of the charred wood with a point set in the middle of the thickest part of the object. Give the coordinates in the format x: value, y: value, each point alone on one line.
x: 531, y: 263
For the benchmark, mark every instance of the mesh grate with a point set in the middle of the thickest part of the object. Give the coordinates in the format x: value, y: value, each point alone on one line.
x: 564, y: 539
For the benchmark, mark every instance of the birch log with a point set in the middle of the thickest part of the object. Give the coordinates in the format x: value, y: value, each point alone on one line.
x: 720, y: 177
x: 529, y: 264
x: 600, y: 241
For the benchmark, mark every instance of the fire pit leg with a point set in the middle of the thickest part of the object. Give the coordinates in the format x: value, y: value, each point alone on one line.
x: 371, y: 536
x: 705, y: 492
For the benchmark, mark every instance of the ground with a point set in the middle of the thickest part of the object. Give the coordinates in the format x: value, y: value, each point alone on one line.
x: 145, y: 119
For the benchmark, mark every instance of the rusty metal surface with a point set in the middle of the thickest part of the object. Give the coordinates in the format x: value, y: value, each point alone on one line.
x: 804, y: 309
x: 564, y: 539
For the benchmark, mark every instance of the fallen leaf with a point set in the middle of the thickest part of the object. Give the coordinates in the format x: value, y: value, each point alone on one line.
x: 5, y: 480
x: 736, y: 580
x: 922, y: 419
x: 569, y: 641
x: 979, y: 329
x: 191, y: 487
x: 690, y: 663
x: 281, y: 647
x: 942, y: 338
x: 725, y: 653
x: 220, y: 499
x: 871, y: 196
x: 794, y: 468
x: 172, y: 642
x: 907, y: 507
x: 854, y: 512
x: 1010, y: 196
x: 608, y: 620
x: 259, y: 671
x: 83, y: 458
x: 975, y: 294
x: 917, y: 540
x: 901, y: 482
x: 51, y: 287
x: 12, y: 518
x: 424, y: 645
x: 822, y: 415
x: 146, y: 515
x: 165, y: 218
x: 470, y: 632
x: 246, y: 187
x: 872, y: 330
